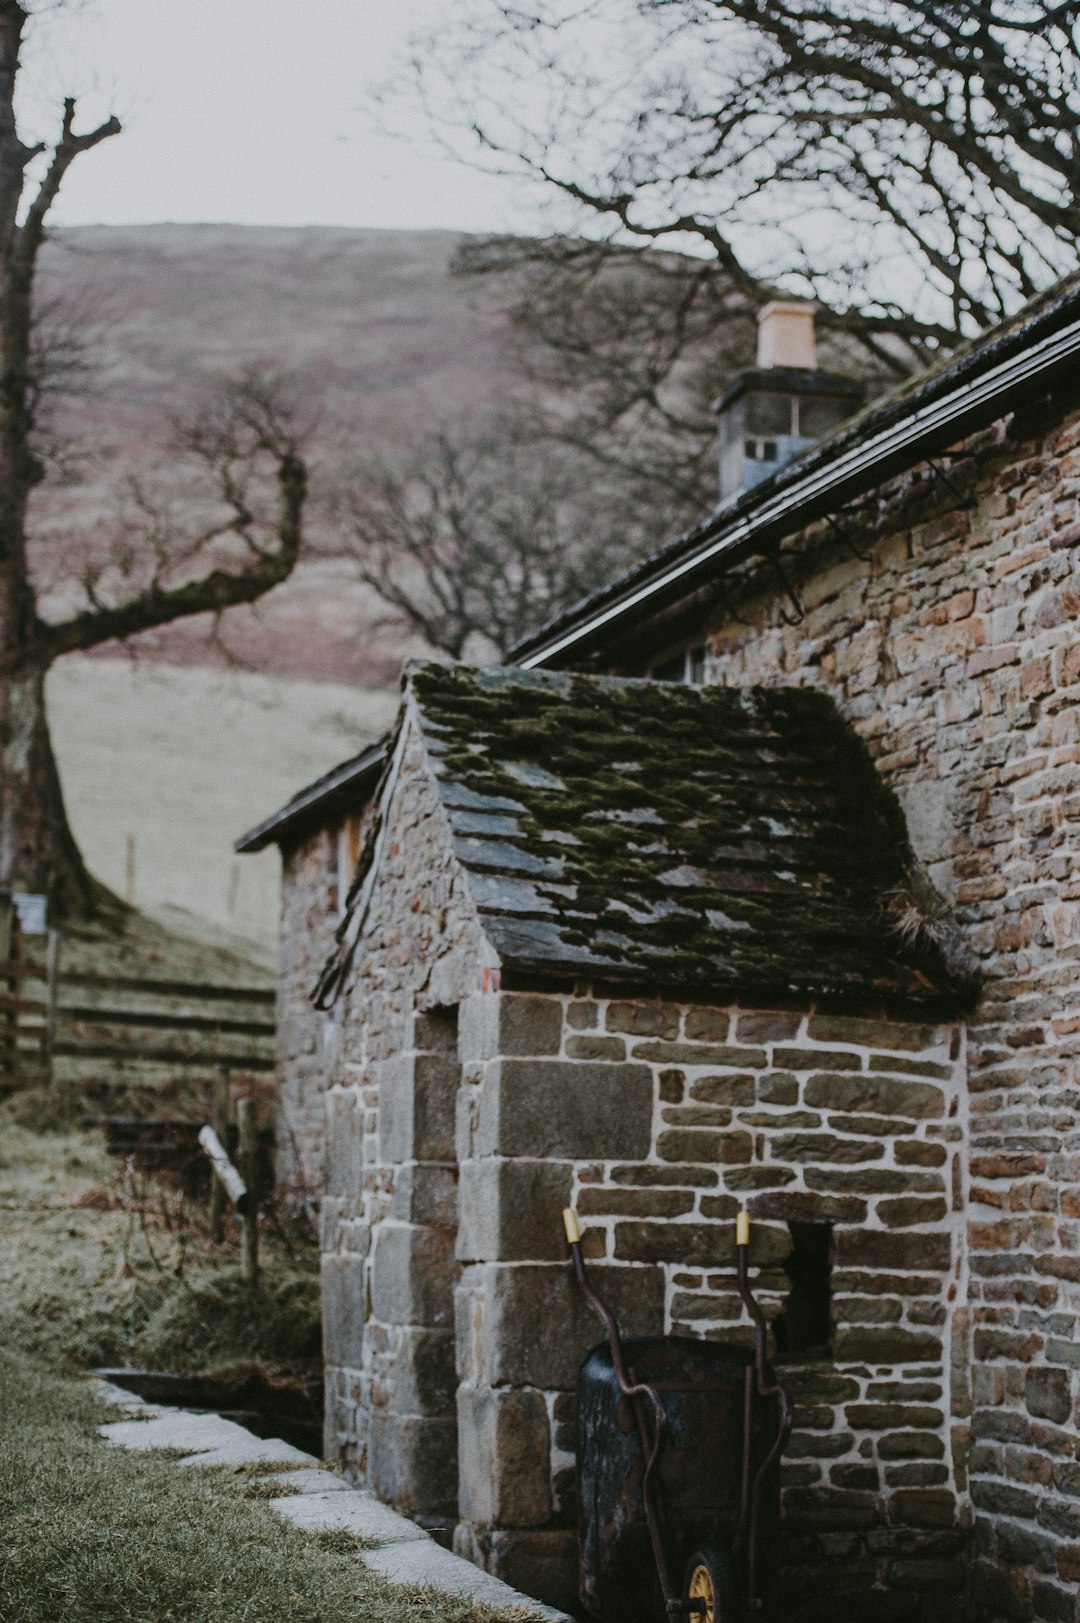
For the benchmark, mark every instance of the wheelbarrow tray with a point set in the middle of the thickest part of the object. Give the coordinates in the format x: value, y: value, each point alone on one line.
x: 698, y: 1479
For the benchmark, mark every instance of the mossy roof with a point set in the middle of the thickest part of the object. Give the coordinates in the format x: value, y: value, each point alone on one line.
x: 723, y: 841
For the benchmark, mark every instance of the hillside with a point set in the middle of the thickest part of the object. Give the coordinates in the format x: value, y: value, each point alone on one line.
x: 375, y: 334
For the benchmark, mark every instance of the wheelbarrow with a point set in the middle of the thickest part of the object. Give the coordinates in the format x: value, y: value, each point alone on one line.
x: 679, y: 1445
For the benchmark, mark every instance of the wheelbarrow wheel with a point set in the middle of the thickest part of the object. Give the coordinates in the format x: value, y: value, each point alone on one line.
x: 709, y: 1581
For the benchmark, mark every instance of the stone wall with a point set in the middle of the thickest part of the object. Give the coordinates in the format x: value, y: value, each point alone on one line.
x: 389, y: 1216
x: 309, y: 917
x: 657, y: 1122
x: 954, y: 652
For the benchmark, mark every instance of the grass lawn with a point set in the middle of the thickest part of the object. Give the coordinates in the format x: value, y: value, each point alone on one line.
x: 98, y: 1266
x: 91, y: 1534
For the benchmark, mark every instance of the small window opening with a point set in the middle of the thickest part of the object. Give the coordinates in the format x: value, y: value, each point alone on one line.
x: 759, y: 450
x: 804, y: 1327
x: 349, y: 840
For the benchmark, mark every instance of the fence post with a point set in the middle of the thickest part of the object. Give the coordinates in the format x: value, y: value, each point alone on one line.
x: 9, y: 978
x: 52, y: 994
x: 245, y: 1116
x: 219, y: 1118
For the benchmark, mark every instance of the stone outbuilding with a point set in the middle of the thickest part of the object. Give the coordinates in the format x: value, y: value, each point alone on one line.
x: 671, y: 948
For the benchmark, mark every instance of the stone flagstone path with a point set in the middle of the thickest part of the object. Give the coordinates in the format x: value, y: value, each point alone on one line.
x: 402, y: 1552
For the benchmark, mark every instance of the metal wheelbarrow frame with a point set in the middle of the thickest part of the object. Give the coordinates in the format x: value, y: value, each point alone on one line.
x: 711, y: 1591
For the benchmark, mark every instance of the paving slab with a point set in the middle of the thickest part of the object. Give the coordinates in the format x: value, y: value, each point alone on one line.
x: 249, y: 1450
x: 426, y: 1565
x: 130, y: 1402
x: 305, y: 1481
x: 176, y: 1428
x: 405, y: 1553
x: 353, y: 1512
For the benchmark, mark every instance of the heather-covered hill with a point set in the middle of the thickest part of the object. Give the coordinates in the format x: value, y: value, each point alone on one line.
x: 381, y: 339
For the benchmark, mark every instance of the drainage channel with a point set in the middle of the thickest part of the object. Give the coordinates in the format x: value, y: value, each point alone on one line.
x: 265, y: 1408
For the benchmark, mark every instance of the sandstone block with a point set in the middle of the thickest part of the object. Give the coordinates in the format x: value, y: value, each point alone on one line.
x: 591, y: 1046
x: 767, y: 1028
x: 504, y: 1454
x: 412, y: 1275
x: 650, y: 1177
x: 802, y: 1147
x: 344, y: 1143
x: 1047, y: 1393
x: 881, y: 1094
x: 698, y: 1245
x: 672, y: 1085
x: 867, y: 1249
x: 515, y: 1023
x: 910, y: 1209
x: 412, y: 1462
x: 777, y: 1088
x: 800, y: 1206
x: 867, y: 1344
x: 343, y: 1310
x: 693, y: 1144
x: 706, y: 1025
x: 426, y: 1193
x: 915, y: 1152
x: 635, y: 1202
x: 817, y: 1059
x: 832, y: 1028
x: 528, y: 1324
x: 644, y: 1019
x: 689, y: 1053
x: 417, y: 1108
x: 736, y: 1089
x: 419, y: 1377
x: 572, y: 1109
x: 511, y: 1210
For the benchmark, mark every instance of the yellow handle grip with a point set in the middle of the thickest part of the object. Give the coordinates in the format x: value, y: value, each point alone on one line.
x: 570, y: 1224
x: 742, y: 1229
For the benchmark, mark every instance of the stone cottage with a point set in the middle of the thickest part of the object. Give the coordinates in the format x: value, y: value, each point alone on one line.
x: 671, y: 948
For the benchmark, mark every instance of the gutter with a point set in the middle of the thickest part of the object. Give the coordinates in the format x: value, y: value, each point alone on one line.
x: 342, y: 783
x: 822, y: 488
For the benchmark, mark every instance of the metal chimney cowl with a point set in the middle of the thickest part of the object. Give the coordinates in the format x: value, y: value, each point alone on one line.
x: 769, y: 415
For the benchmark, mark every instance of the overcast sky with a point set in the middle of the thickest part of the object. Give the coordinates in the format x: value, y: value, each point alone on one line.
x: 252, y: 111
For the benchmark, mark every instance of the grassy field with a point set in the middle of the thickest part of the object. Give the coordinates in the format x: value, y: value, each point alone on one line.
x: 163, y: 767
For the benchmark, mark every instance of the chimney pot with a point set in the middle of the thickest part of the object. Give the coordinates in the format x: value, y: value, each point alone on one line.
x: 786, y: 335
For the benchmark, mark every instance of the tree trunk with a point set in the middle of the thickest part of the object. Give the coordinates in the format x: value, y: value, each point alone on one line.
x: 37, y: 848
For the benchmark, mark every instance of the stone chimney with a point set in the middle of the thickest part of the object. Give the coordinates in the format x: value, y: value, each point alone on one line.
x: 773, y: 413
x: 785, y: 335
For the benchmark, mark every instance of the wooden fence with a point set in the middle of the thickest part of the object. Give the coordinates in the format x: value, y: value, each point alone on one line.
x: 125, y: 1042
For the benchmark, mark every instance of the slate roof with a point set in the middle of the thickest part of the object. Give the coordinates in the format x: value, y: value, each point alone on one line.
x: 827, y: 475
x: 721, y: 841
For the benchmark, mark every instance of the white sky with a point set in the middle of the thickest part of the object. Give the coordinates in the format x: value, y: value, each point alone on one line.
x: 249, y: 111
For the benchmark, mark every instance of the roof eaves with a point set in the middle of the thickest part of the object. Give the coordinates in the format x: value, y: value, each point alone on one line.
x: 339, y: 785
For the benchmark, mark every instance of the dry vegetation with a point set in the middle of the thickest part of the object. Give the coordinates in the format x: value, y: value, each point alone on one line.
x: 101, y: 1265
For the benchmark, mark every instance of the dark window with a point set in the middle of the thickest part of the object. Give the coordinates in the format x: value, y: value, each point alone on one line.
x: 670, y: 670
x: 804, y: 1327
x: 767, y: 415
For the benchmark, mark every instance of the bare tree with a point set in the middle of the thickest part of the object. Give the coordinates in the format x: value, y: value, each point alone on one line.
x: 912, y: 164
x: 476, y: 541
x: 149, y: 570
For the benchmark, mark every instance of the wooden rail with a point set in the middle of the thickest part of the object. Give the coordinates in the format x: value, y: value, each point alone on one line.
x: 121, y: 1039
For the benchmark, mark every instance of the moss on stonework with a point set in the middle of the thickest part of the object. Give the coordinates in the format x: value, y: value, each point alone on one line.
x: 734, y: 838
